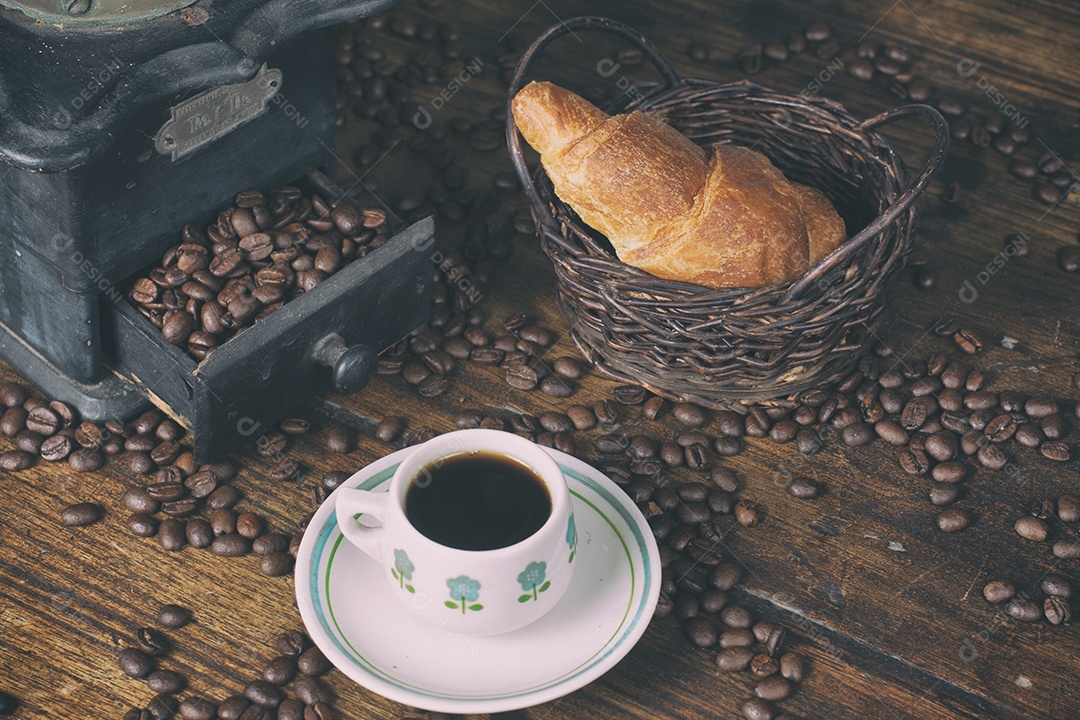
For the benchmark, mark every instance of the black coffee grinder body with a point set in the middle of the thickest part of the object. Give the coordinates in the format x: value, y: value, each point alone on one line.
x: 120, y: 122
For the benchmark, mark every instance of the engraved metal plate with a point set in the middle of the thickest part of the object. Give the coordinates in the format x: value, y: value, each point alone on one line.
x: 95, y: 12
x: 206, y: 117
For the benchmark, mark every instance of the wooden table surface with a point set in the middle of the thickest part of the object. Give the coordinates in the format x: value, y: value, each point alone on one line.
x: 887, y: 609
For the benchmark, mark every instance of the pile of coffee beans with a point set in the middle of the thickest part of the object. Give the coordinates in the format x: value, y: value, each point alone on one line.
x: 1037, y: 525
x: 298, y: 663
x: 893, y: 65
x: 817, y: 38
x: 1055, y: 590
x: 261, y: 253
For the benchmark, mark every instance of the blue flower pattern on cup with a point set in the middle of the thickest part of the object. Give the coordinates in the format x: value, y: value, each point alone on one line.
x: 532, y: 579
x: 465, y: 592
x: 403, y: 569
x: 571, y: 538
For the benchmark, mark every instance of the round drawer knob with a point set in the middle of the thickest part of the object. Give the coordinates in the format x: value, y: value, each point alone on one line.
x: 352, y: 367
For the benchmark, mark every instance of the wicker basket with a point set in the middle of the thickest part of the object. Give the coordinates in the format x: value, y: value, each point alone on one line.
x: 721, y: 348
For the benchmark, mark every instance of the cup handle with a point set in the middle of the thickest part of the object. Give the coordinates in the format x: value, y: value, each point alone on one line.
x: 351, y: 502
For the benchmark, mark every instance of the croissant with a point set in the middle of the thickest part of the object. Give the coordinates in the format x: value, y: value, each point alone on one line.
x: 722, y: 217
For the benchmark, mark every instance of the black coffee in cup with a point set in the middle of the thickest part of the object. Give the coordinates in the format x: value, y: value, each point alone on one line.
x: 477, y: 501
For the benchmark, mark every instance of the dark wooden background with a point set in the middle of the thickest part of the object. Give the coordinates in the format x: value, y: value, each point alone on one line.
x: 887, y: 609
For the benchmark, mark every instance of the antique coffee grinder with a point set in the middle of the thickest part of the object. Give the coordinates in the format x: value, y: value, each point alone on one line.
x: 121, y: 120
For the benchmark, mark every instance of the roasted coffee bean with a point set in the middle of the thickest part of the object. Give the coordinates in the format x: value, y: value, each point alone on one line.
x: 1068, y: 508
x: 807, y: 441
x: 1067, y: 549
x: 311, y: 690
x: 142, y: 524
x: 233, y: 707
x: 653, y: 406
x: 581, y: 417
x: 944, y: 493
x: 291, y: 643
x: 686, y: 606
x: 555, y: 387
x: 43, y: 420
x: 81, y: 514
x: 1057, y: 610
x: 263, y: 694
x: 764, y: 665
x: 696, y: 456
x: 607, y: 412
x: 747, y: 514
x: 671, y: 454
x: 13, y: 421
x: 339, y: 439
x: 700, y: 631
x: 270, y: 543
x: 1023, y: 610
x: 173, y: 616
x: 29, y: 441
x: 555, y: 422
x: 522, y: 377
x: 1031, y: 528
x: 390, y: 428
x: 15, y: 460
x: 165, y: 681
x: 736, y: 638
x: 152, y: 642
x: 953, y: 520
x: 991, y: 457
x: 171, y: 535
x: 891, y: 432
x: 612, y: 444
x: 163, y: 707
x: 249, y: 525
x: 857, y: 434
x: 1056, y: 585
x: 804, y: 488
x: 1053, y: 427
x: 914, y: 462
x: 274, y: 565
x: 999, y: 591
x: 784, y: 430
x: 630, y: 394
x: 773, y: 688
x: 942, y: 446
x: 165, y: 452
x: 792, y: 667
x: 199, y: 533
x: 224, y: 497
x: 734, y: 659
x: 230, y: 545
x: 135, y: 663
x: 968, y: 341
x: 197, y: 708
x: 1041, y: 508
x: 1068, y: 257
x: 688, y: 414
x: 1056, y: 450
x: 736, y: 616
x: 724, y: 478
x: 290, y: 709
x: 313, y: 662
x: 280, y: 671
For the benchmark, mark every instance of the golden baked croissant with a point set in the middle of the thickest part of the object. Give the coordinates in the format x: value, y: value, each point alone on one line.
x: 722, y: 217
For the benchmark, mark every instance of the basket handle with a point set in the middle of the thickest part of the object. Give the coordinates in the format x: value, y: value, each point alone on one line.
x: 901, y: 204
x: 513, y: 139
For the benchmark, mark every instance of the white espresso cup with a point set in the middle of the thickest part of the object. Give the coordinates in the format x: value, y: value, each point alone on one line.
x: 477, y: 592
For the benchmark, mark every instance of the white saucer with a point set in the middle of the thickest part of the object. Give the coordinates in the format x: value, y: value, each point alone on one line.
x: 372, y: 637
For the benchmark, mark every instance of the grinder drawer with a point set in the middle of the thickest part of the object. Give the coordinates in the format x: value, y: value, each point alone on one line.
x: 325, y: 338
